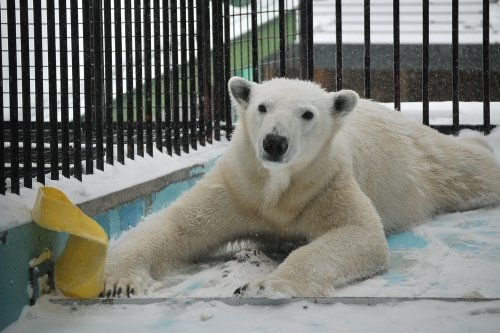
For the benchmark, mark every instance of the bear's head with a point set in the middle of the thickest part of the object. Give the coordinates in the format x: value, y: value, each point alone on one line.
x: 289, y: 121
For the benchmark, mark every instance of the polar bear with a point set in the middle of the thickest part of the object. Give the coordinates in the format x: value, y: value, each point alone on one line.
x: 329, y: 170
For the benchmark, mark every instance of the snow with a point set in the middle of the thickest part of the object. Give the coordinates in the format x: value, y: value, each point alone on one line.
x: 16, y: 209
x: 381, y: 22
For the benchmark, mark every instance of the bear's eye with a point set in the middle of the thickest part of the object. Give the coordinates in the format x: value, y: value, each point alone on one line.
x: 262, y: 108
x: 308, y: 115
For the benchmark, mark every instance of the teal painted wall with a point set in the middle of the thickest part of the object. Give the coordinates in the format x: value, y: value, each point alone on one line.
x: 21, y: 244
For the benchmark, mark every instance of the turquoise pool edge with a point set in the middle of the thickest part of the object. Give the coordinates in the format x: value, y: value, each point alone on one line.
x: 115, y: 212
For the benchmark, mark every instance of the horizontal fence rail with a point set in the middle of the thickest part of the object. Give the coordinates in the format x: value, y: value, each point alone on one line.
x: 95, y: 82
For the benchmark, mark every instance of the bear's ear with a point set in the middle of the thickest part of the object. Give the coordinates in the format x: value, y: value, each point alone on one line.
x: 239, y: 89
x: 343, y: 102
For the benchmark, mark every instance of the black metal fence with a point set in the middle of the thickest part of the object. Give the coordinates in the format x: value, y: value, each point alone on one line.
x: 94, y: 81
x: 97, y: 81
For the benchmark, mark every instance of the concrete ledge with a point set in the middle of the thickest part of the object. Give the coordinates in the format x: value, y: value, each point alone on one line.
x: 112, y: 200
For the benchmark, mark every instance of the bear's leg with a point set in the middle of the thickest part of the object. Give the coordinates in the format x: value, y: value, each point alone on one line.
x: 342, y: 256
x: 203, y: 219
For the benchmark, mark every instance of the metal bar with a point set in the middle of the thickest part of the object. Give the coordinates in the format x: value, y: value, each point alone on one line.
x: 63, y: 63
x: 218, y: 66
x: 227, y: 71
x: 51, y: 47
x: 13, y: 90
x: 108, y: 49
x: 425, y: 61
x: 192, y: 76
x: 166, y: 77
x: 119, y: 82
x: 147, y: 77
x: 175, y: 77
x: 138, y: 79
x: 238, y: 301
x: 75, y: 66
x: 310, y: 40
x: 89, y: 162
x: 2, y: 127
x: 37, y: 34
x: 367, y: 48
x: 200, y: 18
x: 486, y: 66
x: 207, y: 58
x: 98, y: 82
x: 303, y: 38
x: 26, y: 93
x: 397, y: 77
x: 184, y: 78
x: 157, y: 78
x: 282, y: 37
x: 255, y: 48
x: 338, y: 33
x: 455, y: 84
x: 130, y: 80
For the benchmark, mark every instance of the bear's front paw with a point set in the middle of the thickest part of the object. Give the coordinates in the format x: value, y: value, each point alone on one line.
x: 121, y: 284
x: 270, y: 288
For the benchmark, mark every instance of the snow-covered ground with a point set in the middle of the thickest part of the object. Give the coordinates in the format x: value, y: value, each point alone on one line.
x: 455, y: 255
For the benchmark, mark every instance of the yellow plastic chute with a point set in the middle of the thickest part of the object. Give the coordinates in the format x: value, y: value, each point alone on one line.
x: 79, y: 270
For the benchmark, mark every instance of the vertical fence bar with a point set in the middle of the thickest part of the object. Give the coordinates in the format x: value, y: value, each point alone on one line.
x: 338, y: 33
x: 455, y: 84
x: 89, y: 161
x: 166, y: 77
x: 227, y: 71
x: 147, y: 78
x: 218, y: 66
x: 108, y: 63
x: 184, y: 70
x: 255, y: 49
x: 200, y: 20
x: 207, y: 58
x: 397, y: 77
x: 192, y: 76
x: 98, y: 82
x: 63, y: 62
x: 310, y: 40
x: 51, y: 41
x: 303, y: 38
x: 425, y: 62
x: 2, y: 128
x: 26, y: 93
x: 367, y: 48
x: 14, y: 135
x: 282, y: 37
x: 486, y: 66
x: 175, y: 77
x: 119, y: 82
x: 75, y: 64
x: 37, y: 34
x: 130, y: 79
x: 157, y: 79
x: 138, y: 79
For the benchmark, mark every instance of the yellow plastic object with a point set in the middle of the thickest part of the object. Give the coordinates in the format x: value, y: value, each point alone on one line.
x: 79, y: 270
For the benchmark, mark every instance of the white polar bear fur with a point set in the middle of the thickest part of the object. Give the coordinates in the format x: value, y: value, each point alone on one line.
x: 352, y: 173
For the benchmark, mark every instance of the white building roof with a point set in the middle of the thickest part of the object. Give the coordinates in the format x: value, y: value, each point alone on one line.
x: 381, y: 30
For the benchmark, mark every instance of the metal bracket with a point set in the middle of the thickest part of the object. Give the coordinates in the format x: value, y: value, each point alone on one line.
x: 41, y: 269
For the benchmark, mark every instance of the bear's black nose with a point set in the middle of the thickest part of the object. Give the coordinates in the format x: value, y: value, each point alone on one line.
x: 275, y: 145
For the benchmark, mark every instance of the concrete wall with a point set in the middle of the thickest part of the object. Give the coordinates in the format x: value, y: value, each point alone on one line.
x: 115, y: 212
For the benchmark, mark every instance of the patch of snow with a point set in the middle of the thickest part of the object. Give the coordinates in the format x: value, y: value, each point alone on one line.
x: 16, y: 209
